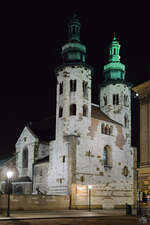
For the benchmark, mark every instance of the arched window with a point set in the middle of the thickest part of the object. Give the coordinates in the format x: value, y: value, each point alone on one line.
x: 85, y: 110
x: 126, y: 121
x: 103, y: 128
x: 85, y: 89
x: 111, y: 130
x: 107, y: 156
x: 60, y: 111
x: 105, y: 100
x: 72, y: 109
x: 72, y: 85
x: 25, y: 158
x: 115, y: 99
x: 107, y: 129
x: 61, y: 88
x: 126, y: 100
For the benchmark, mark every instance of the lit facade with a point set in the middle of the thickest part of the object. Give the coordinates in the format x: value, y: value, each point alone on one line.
x: 92, y: 144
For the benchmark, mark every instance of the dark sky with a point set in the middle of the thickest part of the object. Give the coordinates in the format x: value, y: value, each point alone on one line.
x: 31, y: 36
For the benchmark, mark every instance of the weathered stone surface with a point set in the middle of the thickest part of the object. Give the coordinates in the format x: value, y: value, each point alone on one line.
x: 76, y: 156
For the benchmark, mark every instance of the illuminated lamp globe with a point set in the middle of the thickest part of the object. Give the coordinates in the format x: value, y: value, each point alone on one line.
x: 90, y: 187
x: 9, y: 174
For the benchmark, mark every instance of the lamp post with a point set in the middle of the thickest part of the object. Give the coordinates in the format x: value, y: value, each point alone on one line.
x: 9, y: 176
x: 89, y: 192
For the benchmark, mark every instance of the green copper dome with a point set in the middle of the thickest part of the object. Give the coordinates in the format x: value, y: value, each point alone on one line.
x: 74, y: 51
x: 114, y: 70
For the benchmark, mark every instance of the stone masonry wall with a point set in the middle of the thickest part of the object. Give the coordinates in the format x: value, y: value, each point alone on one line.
x: 41, y: 177
x: 34, y: 202
x: 120, y: 111
x: 26, y: 140
x: 111, y: 186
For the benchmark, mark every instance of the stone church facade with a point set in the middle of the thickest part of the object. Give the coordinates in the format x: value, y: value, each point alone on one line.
x: 85, y: 144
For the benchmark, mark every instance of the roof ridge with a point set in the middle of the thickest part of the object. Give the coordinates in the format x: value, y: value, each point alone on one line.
x: 105, y: 115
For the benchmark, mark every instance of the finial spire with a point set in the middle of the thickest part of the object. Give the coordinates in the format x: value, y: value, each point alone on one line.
x: 74, y: 51
x: 74, y: 29
x: 114, y: 49
x: 114, y: 38
x: 114, y: 70
x: 75, y: 15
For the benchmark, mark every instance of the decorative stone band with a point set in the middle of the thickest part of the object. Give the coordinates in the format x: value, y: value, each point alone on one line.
x: 114, y: 65
x: 72, y: 46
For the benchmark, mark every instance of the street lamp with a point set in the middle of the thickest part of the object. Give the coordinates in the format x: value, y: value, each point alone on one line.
x: 9, y: 176
x: 89, y: 188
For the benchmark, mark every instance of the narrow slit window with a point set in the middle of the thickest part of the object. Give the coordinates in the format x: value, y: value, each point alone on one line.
x: 85, y: 89
x: 111, y: 130
x: 115, y: 99
x: 126, y: 121
x: 105, y: 100
x: 61, y: 88
x: 60, y: 112
x: 25, y: 158
x: 103, y: 128
x: 85, y: 110
x: 64, y: 158
x: 126, y: 100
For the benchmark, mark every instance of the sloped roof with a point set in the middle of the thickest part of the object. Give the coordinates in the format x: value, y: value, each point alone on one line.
x: 22, y: 179
x: 7, y: 160
x: 3, y: 161
x: 44, y: 129
x: 98, y: 114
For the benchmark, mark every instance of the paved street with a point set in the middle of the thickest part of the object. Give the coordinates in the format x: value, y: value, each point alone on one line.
x: 72, y: 217
x: 77, y: 221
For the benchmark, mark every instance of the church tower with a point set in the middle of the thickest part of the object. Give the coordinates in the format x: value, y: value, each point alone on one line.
x: 115, y: 92
x: 73, y: 109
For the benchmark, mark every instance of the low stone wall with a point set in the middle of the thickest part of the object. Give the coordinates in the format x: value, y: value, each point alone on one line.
x: 34, y: 202
x: 100, y: 198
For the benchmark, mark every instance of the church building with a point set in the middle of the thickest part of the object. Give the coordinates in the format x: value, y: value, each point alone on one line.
x: 85, y: 145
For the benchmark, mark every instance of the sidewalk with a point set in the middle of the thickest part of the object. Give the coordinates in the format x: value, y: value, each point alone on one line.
x: 17, y: 215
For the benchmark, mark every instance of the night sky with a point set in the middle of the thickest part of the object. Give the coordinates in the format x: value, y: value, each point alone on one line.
x: 31, y: 36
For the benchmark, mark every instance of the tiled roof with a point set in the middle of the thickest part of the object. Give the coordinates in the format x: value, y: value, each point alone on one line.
x: 45, y: 129
x: 98, y: 114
